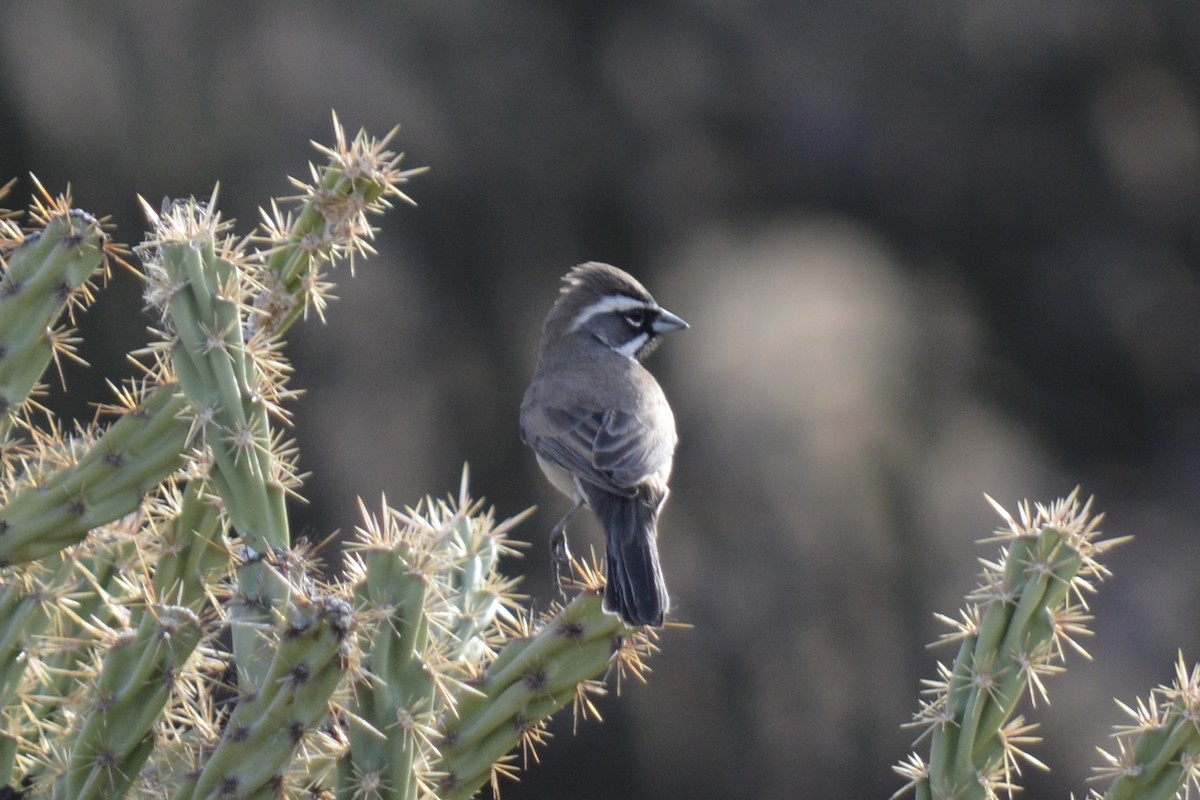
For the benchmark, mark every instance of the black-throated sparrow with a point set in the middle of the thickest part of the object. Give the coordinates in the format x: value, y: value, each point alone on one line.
x: 601, y: 427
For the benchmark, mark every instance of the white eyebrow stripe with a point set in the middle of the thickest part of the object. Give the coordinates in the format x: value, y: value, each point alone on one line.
x: 612, y: 302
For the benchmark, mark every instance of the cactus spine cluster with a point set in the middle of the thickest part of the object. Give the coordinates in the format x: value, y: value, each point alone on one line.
x: 161, y: 635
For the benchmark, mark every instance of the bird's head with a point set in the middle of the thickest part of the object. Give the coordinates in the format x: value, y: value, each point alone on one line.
x: 602, y: 304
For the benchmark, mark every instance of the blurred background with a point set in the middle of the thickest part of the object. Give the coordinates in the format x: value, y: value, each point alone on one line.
x: 927, y: 249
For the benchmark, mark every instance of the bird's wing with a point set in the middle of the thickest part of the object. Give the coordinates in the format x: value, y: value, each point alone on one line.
x: 611, y: 449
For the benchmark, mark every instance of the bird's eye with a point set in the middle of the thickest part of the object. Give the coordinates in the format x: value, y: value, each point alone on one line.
x: 636, y: 317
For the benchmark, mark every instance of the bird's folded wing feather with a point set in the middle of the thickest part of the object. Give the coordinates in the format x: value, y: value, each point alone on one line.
x: 612, y: 449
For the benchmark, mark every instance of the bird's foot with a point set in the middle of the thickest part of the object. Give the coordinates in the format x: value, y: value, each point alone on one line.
x: 560, y: 557
x: 560, y: 554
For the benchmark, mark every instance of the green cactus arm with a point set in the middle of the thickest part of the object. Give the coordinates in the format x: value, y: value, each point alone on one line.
x: 134, y: 455
x: 1158, y: 753
x: 193, y: 556
x: 394, y: 695
x: 267, y: 727
x: 507, y: 706
x: 210, y: 358
x: 26, y: 612
x: 45, y: 273
x: 207, y: 291
x: 262, y: 592
x: 73, y: 596
x: 417, y: 575
x: 1012, y: 632
x: 359, y: 178
x: 224, y: 308
x: 9, y: 747
x: 140, y: 671
x: 476, y: 595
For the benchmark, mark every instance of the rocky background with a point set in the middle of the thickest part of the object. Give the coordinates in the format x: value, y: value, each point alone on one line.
x: 928, y: 250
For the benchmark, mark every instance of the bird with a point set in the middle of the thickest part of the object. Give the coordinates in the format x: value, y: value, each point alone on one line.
x: 602, y: 429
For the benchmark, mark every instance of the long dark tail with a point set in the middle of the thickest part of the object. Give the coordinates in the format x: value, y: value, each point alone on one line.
x: 635, y: 588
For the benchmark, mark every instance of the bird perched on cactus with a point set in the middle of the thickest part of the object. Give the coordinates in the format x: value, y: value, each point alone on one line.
x: 602, y: 429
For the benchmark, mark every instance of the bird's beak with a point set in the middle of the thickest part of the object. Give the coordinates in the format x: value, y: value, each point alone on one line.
x: 666, y: 321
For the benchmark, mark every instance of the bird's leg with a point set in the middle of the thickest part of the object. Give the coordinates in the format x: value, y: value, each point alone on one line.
x: 560, y: 554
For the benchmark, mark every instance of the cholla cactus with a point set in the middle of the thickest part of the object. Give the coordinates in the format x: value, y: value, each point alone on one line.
x: 161, y: 636
x: 1029, y: 608
x: 1158, y: 756
x: 457, y: 673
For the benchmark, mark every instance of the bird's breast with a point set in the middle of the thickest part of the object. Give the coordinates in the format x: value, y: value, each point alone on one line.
x: 562, y: 480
